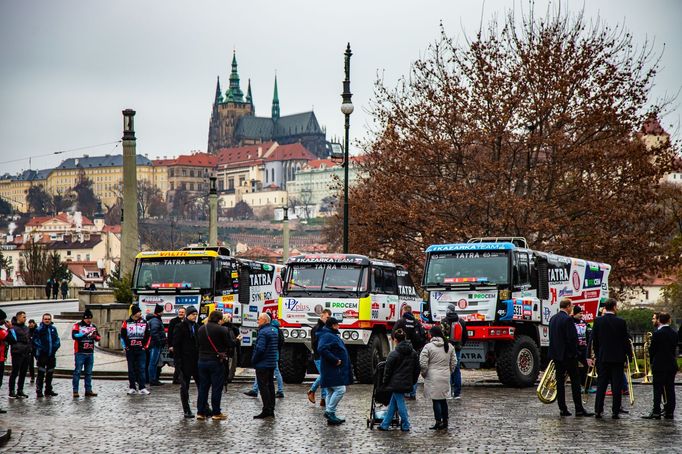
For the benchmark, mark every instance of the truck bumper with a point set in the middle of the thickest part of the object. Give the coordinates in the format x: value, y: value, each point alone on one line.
x: 302, y: 336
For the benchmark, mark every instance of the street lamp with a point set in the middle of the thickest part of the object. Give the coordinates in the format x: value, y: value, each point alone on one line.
x: 346, y: 110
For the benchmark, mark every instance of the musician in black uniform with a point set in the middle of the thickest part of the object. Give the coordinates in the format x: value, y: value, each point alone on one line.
x: 663, y: 353
x: 563, y: 350
x: 612, y: 348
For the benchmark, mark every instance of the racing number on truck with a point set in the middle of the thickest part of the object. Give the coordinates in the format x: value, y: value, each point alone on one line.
x: 518, y: 311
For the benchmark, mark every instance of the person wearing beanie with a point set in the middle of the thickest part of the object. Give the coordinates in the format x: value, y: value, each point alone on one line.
x: 186, y: 355
x: 175, y: 321
x: 158, y: 340
x: 5, y: 338
x: 135, y: 339
x: 583, y: 332
x: 21, y: 351
x: 437, y: 362
x: 415, y: 335
x: 84, y: 335
x: 335, y: 368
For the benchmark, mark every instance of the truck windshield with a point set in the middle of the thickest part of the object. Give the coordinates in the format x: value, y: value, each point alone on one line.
x: 477, y: 267
x: 327, y: 277
x: 172, y: 273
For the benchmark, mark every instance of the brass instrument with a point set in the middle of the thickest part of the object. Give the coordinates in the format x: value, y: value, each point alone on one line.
x: 648, y: 376
x: 591, y: 375
x: 547, y: 390
x: 630, y: 375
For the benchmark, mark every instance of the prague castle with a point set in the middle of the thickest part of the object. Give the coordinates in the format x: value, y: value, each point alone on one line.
x: 234, y: 122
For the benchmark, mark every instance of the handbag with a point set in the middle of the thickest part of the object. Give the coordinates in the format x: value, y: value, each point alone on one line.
x: 222, y: 356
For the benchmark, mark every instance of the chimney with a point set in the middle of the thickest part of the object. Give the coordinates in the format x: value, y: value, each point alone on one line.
x: 260, y: 152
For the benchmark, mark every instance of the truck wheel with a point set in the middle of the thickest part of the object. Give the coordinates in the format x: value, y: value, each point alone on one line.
x: 293, y: 363
x: 231, y: 368
x: 518, y: 362
x: 367, y: 359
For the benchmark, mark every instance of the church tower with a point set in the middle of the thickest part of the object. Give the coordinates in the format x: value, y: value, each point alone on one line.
x: 227, y: 110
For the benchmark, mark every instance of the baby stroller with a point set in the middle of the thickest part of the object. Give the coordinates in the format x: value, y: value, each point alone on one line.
x: 380, y: 396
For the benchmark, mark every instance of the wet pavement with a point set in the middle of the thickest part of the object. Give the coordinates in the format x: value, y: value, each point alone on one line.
x: 486, y: 419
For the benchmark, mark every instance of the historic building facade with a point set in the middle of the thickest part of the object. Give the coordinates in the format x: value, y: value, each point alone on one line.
x: 234, y: 122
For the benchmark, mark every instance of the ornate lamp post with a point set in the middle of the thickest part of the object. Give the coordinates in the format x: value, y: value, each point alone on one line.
x: 346, y: 109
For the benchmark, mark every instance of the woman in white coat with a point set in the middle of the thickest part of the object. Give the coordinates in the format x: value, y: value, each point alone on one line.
x: 438, y: 361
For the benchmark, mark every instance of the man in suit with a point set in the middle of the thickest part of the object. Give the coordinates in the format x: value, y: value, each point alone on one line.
x: 663, y: 353
x: 563, y: 350
x: 612, y: 348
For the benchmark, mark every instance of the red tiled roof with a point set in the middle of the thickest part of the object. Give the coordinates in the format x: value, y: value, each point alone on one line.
x: 290, y: 152
x: 227, y: 156
x: 63, y: 217
x: 191, y: 160
x: 260, y: 252
x: 81, y: 268
x: 318, y: 163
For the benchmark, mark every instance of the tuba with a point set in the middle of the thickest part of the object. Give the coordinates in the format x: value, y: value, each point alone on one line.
x: 648, y: 376
x: 630, y: 375
x: 591, y: 374
x: 547, y: 387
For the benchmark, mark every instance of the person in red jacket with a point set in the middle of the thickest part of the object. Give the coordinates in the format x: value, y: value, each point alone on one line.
x: 4, y: 338
x: 84, y: 335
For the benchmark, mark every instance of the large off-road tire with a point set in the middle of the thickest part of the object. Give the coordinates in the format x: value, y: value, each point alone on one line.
x: 293, y: 363
x: 518, y: 362
x: 368, y: 357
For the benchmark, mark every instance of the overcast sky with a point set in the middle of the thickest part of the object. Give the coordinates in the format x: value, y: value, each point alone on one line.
x: 68, y: 68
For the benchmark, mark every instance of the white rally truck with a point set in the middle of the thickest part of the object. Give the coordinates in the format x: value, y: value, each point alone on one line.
x: 364, y: 294
x: 507, y: 293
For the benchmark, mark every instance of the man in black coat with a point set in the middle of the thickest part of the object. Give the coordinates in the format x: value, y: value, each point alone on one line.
x: 415, y: 335
x: 186, y: 355
x: 663, y: 353
x: 175, y: 321
x: 612, y: 348
x: 563, y: 350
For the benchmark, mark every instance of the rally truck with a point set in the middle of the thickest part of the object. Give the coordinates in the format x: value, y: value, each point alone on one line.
x: 507, y: 293
x: 208, y: 278
x: 364, y: 294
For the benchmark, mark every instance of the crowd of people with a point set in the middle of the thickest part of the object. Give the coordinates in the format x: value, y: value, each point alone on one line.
x: 571, y: 340
x: 203, y: 352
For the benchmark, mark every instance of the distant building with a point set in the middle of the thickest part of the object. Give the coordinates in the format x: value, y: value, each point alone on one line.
x: 15, y: 188
x: 234, y: 122
x: 187, y: 173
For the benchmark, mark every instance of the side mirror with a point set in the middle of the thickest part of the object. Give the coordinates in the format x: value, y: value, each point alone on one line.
x: 244, y: 286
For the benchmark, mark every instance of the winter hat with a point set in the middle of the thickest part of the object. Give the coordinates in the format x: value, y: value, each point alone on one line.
x: 451, y: 310
x: 87, y: 313
x: 331, y: 321
x: 190, y: 310
x: 135, y: 309
x: 158, y: 309
x: 577, y: 310
x: 3, y: 316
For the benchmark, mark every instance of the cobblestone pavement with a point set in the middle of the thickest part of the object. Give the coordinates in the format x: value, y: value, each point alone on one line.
x: 486, y: 419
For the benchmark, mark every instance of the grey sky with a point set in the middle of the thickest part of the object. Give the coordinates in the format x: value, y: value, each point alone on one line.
x: 68, y: 68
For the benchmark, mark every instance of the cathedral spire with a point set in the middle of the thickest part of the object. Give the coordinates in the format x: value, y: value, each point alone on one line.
x: 218, y: 93
x: 249, y: 97
x: 234, y: 93
x: 275, y: 102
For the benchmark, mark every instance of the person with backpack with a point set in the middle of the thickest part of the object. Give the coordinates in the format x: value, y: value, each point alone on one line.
x: 438, y: 361
x: 457, y: 336
x: 45, y: 345
x: 415, y: 334
x: 253, y: 392
x: 401, y: 373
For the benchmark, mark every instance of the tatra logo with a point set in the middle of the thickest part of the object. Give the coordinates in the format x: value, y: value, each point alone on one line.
x: 558, y: 275
x: 260, y: 279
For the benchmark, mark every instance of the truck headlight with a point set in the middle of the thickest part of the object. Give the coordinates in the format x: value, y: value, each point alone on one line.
x: 294, y: 333
x: 346, y: 335
x: 285, y: 333
x: 303, y: 334
x: 355, y: 335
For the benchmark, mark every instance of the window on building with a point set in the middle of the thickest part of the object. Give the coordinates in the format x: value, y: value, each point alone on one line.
x: 272, y: 178
x: 171, y: 173
x: 191, y: 173
x: 172, y: 186
x: 230, y: 183
x: 191, y: 186
x: 184, y: 172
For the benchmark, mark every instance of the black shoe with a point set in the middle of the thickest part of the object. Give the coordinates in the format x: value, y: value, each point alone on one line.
x: 157, y: 383
x: 12, y: 395
x: 51, y: 393
x: 189, y: 415
x: 251, y: 393
x: 444, y: 424
x: 22, y: 395
x: 2, y: 412
x: 279, y: 394
x: 565, y: 413
x: 39, y: 394
x: 382, y: 429
x: 437, y: 426
x: 583, y: 413
x: 652, y: 415
x: 669, y: 416
x: 598, y: 416
x: 262, y: 415
x: 615, y: 416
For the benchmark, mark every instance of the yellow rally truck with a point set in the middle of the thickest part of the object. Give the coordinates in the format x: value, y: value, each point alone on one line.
x: 208, y: 278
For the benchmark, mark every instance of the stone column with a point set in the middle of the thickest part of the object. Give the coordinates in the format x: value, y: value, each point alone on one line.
x: 212, y: 212
x: 130, y: 237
